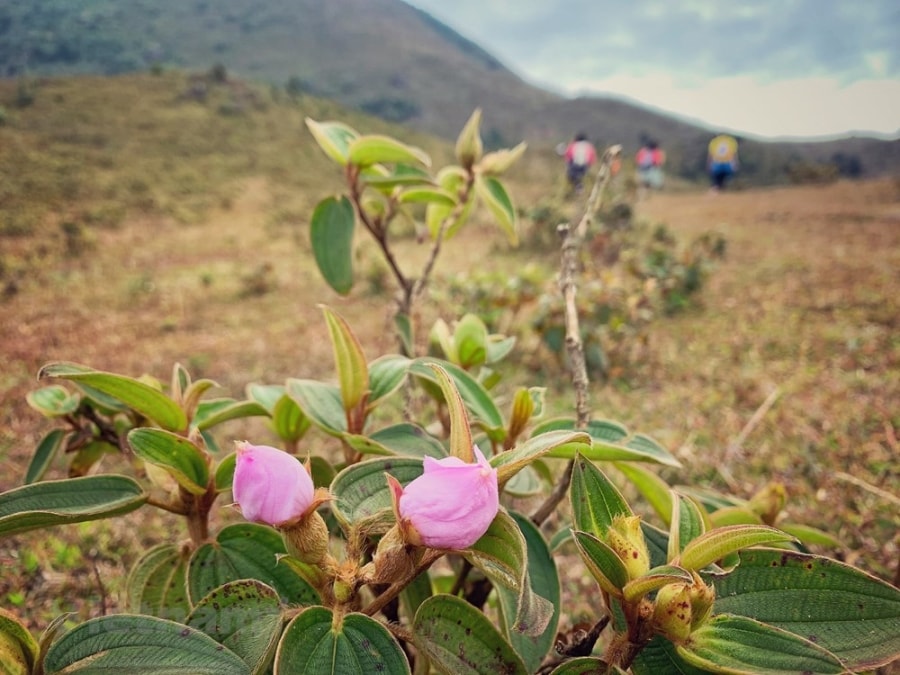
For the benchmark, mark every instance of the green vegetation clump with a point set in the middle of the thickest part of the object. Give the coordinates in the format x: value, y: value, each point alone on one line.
x: 634, y: 275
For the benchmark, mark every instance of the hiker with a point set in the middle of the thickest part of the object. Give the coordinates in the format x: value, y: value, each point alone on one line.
x: 722, y: 161
x: 649, y: 161
x: 580, y: 156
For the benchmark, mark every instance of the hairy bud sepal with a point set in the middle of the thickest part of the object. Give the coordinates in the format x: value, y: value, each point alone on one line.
x: 627, y: 540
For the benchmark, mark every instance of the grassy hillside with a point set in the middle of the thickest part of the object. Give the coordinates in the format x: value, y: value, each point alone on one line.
x: 383, y: 57
x: 88, y: 153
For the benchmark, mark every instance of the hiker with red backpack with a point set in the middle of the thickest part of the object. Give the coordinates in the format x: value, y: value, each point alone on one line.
x: 649, y: 161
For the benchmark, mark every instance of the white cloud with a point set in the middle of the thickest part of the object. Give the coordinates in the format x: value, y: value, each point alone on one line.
x: 804, y: 67
x: 796, y: 107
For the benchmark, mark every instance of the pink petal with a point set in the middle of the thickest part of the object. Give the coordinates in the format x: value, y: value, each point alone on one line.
x: 270, y: 485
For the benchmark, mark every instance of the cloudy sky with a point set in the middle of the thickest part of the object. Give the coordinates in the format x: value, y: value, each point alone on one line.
x: 763, y: 67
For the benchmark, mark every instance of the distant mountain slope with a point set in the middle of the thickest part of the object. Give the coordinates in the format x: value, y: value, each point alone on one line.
x: 381, y: 56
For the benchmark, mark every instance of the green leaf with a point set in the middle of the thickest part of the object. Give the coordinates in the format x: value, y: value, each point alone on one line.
x: 544, y: 581
x: 181, y: 381
x: 512, y: 461
x: 246, y: 617
x: 157, y: 584
x: 88, y: 456
x: 378, y: 149
x: 689, y: 521
x: 718, y: 543
x: 612, y: 442
x: 474, y: 395
x: 333, y: 137
x: 404, y: 327
x: 353, y: 372
x: 602, y: 562
x: 13, y: 660
x: 321, y: 403
x: 600, y: 430
x: 734, y: 515
x: 386, y: 374
x: 213, y: 412
x: 140, y: 644
x: 224, y: 476
x: 331, y: 235
x: 386, y: 180
x: 417, y: 592
x: 267, y: 395
x: 502, y: 554
x: 583, y: 665
x: 177, y: 455
x: 525, y: 483
x: 426, y: 195
x: 498, y: 347
x: 653, y: 488
x: 44, y: 455
x: 469, y: 146
x: 53, y: 401
x: 499, y: 161
x: 655, y: 579
x: 149, y: 402
x: 595, y: 500
x: 194, y: 391
x: 453, y: 180
x: 470, y: 339
x: 365, y: 445
x: 321, y: 470
x: 810, y: 535
x: 852, y: 614
x: 736, y: 644
x: 103, y: 403
x: 460, y: 640
x: 659, y: 656
x: 317, y: 642
x: 440, y: 335
x: 650, y: 451
x: 361, y: 493
x: 246, y: 551
x: 288, y: 420
x: 16, y: 644
x: 657, y: 544
x: 74, y: 500
x: 461, y: 444
x: 495, y: 197
x: 409, y: 440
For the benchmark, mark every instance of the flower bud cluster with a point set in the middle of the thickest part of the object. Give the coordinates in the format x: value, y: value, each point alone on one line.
x: 682, y: 607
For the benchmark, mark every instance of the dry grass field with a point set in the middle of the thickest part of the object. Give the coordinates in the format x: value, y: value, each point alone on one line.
x: 805, y: 305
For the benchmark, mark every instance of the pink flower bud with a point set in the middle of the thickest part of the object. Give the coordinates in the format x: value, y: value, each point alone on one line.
x: 451, y: 504
x: 270, y: 485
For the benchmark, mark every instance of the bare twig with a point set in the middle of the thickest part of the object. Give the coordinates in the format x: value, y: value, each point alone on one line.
x: 735, y: 448
x: 101, y: 587
x: 392, y: 591
x: 868, y: 487
x: 464, y: 194
x: 568, y: 284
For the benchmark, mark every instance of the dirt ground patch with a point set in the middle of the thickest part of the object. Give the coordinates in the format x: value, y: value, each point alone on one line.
x: 806, y: 304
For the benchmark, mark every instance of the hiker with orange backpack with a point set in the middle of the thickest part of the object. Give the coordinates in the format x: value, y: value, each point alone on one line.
x: 722, y: 161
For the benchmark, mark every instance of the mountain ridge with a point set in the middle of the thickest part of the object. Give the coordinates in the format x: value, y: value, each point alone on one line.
x: 384, y: 57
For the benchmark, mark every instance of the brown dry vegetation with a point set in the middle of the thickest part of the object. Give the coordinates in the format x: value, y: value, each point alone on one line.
x: 807, y: 302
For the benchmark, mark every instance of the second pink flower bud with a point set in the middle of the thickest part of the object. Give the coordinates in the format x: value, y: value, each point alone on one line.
x: 451, y: 505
